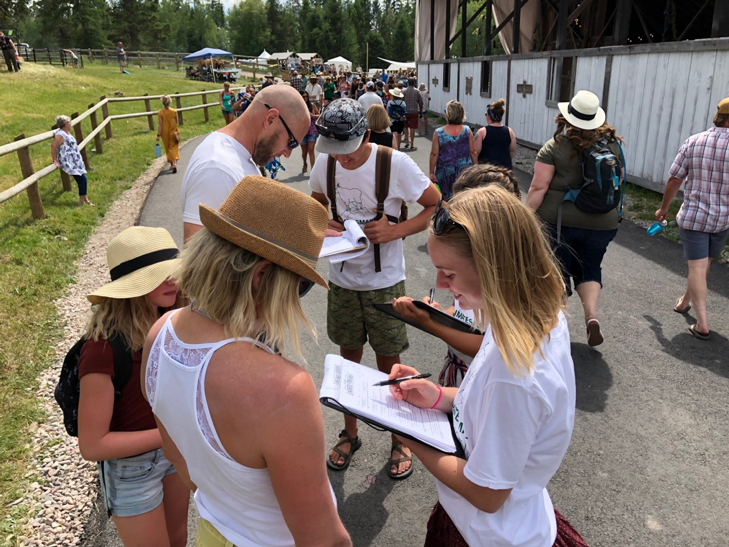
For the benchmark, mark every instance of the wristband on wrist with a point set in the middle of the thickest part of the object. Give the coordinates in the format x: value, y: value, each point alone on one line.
x: 440, y: 396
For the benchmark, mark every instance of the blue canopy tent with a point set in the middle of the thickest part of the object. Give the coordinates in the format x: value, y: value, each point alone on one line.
x: 207, y: 53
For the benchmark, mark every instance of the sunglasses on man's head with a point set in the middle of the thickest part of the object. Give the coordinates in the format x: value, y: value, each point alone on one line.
x: 338, y: 131
x: 293, y: 143
x: 442, y: 220
x: 305, y: 285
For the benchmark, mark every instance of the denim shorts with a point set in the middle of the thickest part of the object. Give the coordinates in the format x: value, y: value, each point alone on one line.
x: 698, y: 245
x: 580, y: 253
x: 133, y: 486
x: 309, y: 138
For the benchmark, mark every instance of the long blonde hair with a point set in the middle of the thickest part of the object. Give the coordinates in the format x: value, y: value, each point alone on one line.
x: 132, y: 318
x: 217, y: 276
x: 521, y: 286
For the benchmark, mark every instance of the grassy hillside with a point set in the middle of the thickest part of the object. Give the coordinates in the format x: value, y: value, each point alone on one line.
x: 36, y: 257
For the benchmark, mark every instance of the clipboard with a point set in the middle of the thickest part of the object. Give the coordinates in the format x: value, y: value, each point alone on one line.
x: 435, y: 314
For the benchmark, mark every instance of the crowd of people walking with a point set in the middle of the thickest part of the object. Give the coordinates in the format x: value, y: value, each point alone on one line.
x: 201, y: 329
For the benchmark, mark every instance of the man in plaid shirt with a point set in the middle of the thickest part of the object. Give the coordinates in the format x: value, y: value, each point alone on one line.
x: 703, y: 220
x: 296, y: 81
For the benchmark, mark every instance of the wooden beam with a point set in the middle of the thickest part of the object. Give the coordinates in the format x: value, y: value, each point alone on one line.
x: 487, y: 34
x: 623, y: 11
x: 720, y: 25
x: 562, y: 24
x: 464, y: 26
x: 643, y: 24
x: 470, y: 20
x: 506, y: 20
x: 516, y: 38
x: 432, y: 31
x: 696, y: 18
x: 447, y: 30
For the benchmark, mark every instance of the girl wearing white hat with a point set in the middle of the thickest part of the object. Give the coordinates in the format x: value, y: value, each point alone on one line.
x: 580, y: 238
x: 144, y: 495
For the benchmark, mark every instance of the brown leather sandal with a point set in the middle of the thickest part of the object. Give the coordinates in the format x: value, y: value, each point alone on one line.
x: 397, y: 446
x: 344, y: 438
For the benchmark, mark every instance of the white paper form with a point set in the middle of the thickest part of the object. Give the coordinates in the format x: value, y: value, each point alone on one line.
x: 356, y: 392
x: 351, y: 244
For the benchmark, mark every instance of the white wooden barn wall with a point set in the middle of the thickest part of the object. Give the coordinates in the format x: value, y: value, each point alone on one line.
x: 655, y: 100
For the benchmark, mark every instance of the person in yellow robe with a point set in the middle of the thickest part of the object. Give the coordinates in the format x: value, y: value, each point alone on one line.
x: 167, y: 129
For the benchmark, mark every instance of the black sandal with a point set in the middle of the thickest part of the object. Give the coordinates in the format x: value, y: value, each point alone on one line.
x: 355, y: 443
x: 397, y: 461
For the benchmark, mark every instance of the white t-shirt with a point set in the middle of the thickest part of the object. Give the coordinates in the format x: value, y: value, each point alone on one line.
x: 314, y: 91
x: 368, y: 99
x: 216, y: 166
x: 356, y: 199
x: 515, y: 430
x: 467, y: 316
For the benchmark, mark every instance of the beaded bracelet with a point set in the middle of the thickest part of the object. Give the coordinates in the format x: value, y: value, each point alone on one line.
x: 440, y: 395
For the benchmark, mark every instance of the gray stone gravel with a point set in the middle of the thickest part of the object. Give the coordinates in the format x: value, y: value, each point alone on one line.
x: 60, y: 487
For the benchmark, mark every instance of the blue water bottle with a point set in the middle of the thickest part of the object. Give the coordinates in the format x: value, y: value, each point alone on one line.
x: 656, y: 227
x: 157, y: 150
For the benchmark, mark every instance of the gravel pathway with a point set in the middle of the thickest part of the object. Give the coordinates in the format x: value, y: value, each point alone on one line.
x: 62, y: 489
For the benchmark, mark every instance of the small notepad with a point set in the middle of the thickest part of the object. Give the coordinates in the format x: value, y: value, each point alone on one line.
x: 351, y: 244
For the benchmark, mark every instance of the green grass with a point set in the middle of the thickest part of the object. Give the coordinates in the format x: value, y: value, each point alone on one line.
x: 641, y: 205
x: 37, y: 257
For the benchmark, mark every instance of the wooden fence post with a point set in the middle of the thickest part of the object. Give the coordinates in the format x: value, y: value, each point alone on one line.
x: 90, y: 56
x: 205, y: 110
x: 139, y: 58
x: 177, y: 62
x: 158, y: 61
x: 97, y: 137
x: 48, y: 52
x: 178, y: 103
x: 148, y: 107
x: 78, y: 133
x: 106, y: 58
x: 26, y: 167
x: 104, y: 115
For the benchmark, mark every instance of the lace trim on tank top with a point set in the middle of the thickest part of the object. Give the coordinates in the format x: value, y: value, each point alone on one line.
x: 191, y: 356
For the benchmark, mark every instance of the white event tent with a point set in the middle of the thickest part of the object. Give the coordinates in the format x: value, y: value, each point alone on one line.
x: 340, y: 61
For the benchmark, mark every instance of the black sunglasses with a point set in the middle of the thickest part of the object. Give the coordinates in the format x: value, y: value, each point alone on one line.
x: 442, y: 219
x: 293, y: 143
x: 339, y: 131
x: 305, y: 285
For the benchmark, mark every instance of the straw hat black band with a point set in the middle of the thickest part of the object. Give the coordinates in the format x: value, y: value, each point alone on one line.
x: 130, y: 266
x: 311, y: 260
x: 580, y: 115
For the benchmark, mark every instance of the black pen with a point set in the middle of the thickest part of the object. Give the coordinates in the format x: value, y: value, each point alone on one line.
x: 432, y: 295
x: 398, y: 380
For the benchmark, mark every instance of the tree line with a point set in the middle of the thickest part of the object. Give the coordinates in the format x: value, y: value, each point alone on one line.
x: 327, y: 27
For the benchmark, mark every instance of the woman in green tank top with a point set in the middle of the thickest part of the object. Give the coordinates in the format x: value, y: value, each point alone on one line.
x: 226, y: 103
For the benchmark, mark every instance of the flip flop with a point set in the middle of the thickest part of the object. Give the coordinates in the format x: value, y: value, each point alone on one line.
x: 697, y: 334
x: 398, y: 461
x: 355, y: 443
x: 679, y: 310
x: 594, y: 334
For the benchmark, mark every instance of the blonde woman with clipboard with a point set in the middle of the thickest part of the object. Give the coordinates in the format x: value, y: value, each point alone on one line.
x: 514, y: 411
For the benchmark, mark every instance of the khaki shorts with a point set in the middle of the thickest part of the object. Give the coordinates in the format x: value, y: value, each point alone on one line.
x: 352, y: 320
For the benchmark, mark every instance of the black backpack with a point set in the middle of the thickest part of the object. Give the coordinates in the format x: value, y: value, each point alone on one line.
x: 67, y: 389
x: 398, y: 112
x: 602, y: 185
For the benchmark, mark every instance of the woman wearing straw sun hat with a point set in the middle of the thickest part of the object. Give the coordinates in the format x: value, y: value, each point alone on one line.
x: 581, y: 238
x: 216, y: 379
x: 145, y: 497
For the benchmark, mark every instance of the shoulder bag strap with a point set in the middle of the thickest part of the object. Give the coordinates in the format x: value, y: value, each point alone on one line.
x: 331, y: 186
x: 383, y: 162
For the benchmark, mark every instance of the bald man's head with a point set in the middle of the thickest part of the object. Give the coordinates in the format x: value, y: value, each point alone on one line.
x: 287, y: 109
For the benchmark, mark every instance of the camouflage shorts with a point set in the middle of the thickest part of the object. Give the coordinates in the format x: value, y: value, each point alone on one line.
x: 352, y: 320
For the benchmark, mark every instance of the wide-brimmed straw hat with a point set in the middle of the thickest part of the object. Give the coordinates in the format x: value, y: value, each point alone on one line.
x: 395, y: 92
x: 583, y: 111
x: 274, y: 222
x: 140, y: 259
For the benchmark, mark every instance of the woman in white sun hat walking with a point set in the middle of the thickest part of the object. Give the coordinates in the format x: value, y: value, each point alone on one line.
x: 580, y: 238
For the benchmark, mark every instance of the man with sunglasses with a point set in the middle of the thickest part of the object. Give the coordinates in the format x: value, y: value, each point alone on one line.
x: 358, y: 283
x: 274, y: 124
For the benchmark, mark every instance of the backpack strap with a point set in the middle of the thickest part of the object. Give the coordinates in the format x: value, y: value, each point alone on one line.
x: 623, y: 182
x: 331, y: 186
x: 123, y: 362
x: 383, y: 161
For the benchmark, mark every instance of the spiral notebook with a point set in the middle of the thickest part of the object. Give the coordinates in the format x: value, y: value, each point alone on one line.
x: 351, y: 244
x: 348, y: 387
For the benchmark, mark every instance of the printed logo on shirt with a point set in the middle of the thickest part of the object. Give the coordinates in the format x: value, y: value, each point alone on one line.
x: 352, y: 198
x: 458, y: 314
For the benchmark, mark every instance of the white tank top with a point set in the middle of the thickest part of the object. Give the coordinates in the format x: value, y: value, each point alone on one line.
x: 239, y: 501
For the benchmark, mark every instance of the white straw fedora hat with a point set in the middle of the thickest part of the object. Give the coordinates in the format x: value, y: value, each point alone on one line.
x: 583, y: 111
x: 139, y: 260
x: 273, y: 221
x: 395, y: 92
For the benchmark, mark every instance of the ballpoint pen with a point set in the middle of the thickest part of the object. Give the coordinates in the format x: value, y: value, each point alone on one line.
x: 432, y: 295
x: 398, y: 380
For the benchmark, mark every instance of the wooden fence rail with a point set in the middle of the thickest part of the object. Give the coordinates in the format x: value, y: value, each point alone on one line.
x: 21, y: 144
